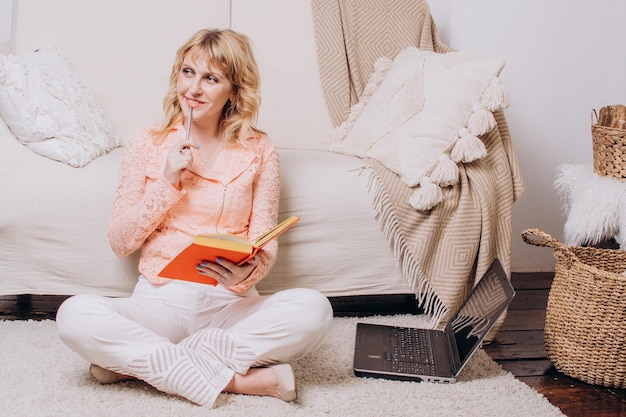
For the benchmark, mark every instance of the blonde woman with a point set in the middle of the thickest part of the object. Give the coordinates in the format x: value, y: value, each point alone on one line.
x: 222, y: 176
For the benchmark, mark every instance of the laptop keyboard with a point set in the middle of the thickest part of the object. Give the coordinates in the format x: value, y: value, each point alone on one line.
x: 409, y: 351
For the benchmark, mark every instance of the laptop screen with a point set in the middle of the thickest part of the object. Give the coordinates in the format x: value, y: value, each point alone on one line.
x: 487, y: 301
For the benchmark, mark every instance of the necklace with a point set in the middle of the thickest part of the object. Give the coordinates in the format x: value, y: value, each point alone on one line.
x: 209, y: 155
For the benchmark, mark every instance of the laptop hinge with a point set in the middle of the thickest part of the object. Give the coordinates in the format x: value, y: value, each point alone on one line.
x: 453, y: 351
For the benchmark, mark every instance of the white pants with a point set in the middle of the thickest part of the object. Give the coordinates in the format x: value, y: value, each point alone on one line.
x: 171, y: 334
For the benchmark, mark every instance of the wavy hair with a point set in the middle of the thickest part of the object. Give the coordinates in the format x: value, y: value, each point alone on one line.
x: 231, y: 52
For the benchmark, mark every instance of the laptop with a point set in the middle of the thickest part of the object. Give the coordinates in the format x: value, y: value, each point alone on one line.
x: 413, y: 354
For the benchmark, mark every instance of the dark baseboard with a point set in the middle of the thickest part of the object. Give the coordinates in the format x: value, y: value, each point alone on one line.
x: 39, y: 307
x: 369, y: 305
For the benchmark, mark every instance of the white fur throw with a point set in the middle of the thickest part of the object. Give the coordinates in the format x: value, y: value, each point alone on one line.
x: 50, y: 110
x: 595, y: 206
x: 422, y: 114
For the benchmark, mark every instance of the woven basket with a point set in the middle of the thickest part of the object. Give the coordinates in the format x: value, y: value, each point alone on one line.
x: 609, y: 149
x: 585, y: 330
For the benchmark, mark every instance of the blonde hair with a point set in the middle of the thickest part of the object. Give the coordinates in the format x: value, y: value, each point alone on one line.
x: 232, y: 53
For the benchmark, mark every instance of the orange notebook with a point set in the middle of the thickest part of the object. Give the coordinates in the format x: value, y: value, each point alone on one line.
x: 208, y: 247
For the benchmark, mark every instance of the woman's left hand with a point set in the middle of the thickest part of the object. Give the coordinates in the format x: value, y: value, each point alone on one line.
x: 226, y: 272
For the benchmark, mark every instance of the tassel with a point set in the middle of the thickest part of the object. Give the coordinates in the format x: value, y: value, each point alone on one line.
x: 381, y: 67
x: 481, y: 121
x: 446, y: 172
x: 495, y: 97
x: 427, y: 196
x: 340, y: 132
x: 468, y: 148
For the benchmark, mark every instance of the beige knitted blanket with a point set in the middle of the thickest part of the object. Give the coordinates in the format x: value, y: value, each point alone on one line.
x: 442, y: 252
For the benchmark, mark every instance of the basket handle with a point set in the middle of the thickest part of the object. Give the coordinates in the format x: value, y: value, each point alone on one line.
x: 537, y: 237
x: 594, y: 115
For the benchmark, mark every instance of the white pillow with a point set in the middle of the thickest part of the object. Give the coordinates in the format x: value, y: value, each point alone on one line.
x: 421, y: 114
x: 50, y: 110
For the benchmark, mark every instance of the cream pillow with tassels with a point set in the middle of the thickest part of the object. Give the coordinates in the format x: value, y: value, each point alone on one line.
x: 421, y: 114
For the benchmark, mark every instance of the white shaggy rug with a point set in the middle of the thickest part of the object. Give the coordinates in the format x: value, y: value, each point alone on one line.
x: 41, y: 377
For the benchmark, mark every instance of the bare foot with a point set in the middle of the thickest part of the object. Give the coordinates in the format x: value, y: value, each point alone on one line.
x: 258, y: 381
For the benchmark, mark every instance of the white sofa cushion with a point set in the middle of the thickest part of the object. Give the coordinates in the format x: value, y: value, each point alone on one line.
x: 53, y: 227
x: 50, y: 109
x: 337, y: 247
x: 54, y: 230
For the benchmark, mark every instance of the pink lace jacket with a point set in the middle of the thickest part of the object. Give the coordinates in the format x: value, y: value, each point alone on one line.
x: 239, y: 194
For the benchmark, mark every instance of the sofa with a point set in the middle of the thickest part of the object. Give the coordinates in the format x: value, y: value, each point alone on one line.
x: 349, y: 242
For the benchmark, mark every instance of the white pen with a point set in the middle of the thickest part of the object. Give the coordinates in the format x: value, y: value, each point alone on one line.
x: 189, y: 123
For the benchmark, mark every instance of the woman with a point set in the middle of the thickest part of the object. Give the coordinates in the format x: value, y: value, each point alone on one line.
x: 189, y: 339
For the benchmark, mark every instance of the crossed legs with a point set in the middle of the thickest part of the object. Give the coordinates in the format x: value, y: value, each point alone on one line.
x: 196, y: 341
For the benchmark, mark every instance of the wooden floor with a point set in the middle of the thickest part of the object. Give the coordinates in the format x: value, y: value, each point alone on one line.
x: 518, y: 348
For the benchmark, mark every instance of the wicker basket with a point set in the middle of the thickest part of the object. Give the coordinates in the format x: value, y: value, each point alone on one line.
x: 609, y: 149
x: 585, y: 330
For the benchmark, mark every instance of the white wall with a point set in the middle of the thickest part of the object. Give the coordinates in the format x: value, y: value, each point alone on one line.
x: 563, y: 59
x: 441, y: 10
x: 6, y: 18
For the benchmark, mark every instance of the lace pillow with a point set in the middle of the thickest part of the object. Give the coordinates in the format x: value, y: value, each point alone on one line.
x: 421, y: 114
x: 50, y: 110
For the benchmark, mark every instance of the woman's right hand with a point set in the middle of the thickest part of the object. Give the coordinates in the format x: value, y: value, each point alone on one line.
x: 178, y: 159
